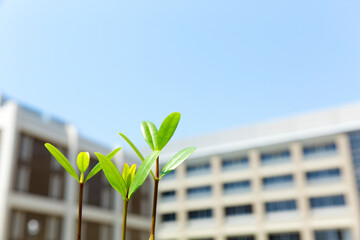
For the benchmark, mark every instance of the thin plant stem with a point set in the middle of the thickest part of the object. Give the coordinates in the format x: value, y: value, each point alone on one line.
x: 81, y: 190
x: 126, y: 202
x: 155, y: 197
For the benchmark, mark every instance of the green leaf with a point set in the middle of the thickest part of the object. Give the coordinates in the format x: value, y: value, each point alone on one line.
x: 167, y: 129
x: 132, y: 171
x: 62, y: 160
x: 97, y: 167
x: 129, y: 175
x: 133, y: 147
x: 125, y: 173
x: 136, y: 150
x: 113, y: 153
x: 149, y: 132
x: 176, y: 160
x: 143, y: 172
x: 112, y: 175
x: 83, y: 160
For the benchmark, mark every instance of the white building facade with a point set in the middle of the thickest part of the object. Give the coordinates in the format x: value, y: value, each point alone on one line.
x: 291, y: 179
x: 38, y: 200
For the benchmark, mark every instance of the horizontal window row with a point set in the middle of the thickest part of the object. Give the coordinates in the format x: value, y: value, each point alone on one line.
x: 270, y: 207
x: 241, y: 238
x: 328, y: 234
x: 282, y: 181
x: 266, y: 158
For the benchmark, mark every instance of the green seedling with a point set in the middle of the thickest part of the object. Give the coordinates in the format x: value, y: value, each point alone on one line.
x: 128, y: 182
x: 157, y: 140
x: 83, y: 160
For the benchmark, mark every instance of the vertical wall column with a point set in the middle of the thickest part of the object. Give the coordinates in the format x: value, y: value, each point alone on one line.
x: 352, y: 196
x: 217, y: 191
x: 70, y: 186
x: 300, y: 184
x: 181, y: 200
x: 254, y: 157
x: 9, y: 138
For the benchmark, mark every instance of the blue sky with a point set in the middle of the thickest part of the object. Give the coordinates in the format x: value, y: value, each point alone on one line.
x: 107, y: 65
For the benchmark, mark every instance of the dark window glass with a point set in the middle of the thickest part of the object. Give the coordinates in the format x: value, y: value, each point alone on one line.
x: 319, y: 150
x: 98, y: 192
x: 139, y: 203
x: 134, y: 234
x: 275, y: 157
x: 168, y: 194
x: 278, y: 181
x: 241, y: 238
x: 238, y: 210
x: 96, y: 231
x: 284, y: 236
x: 329, y: 201
x: 333, y: 234
x: 193, y: 170
x: 229, y: 164
x: 169, y: 217
x: 200, y: 214
x: 236, y: 186
x: 323, y: 174
x: 37, y: 172
x: 199, y: 191
x: 280, y: 206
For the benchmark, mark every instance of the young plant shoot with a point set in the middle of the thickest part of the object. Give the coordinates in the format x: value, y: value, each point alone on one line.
x: 128, y: 182
x: 83, y: 160
x: 157, y: 140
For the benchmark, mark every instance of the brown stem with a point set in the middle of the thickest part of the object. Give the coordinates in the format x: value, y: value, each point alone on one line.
x: 155, y: 197
x: 81, y: 190
x: 124, y: 219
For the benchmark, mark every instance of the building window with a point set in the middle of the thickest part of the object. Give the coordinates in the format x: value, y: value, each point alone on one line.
x: 238, y: 210
x: 26, y: 225
x: 236, y: 187
x: 200, y: 214
x: 333, y: 234
x: 234, y: 164
x: 99, y: 192
x: 323, y: 176
x: 199, y: 169
x: 168, y: 196
x: 134, y: 234
x: 278, y: 182
x: 168, y: 217
x: 199, y: 192
x: 139, y: 203
x: 240, y: 238
x: 285, y: 236
x: 96, y: 231
x: 280, y: 206
x: 37, y: 171
x: 330, y: 201
x: 319, y: 150
x: 275, y: 157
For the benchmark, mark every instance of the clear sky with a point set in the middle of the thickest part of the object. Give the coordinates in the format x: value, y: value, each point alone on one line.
x: 107, y: 65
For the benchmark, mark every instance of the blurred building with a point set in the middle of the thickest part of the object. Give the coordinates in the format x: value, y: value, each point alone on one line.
x: 38, y: 201
x: 290, y: 179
